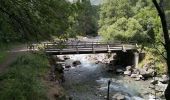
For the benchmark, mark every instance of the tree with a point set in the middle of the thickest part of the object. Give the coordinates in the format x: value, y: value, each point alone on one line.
x: 84, y: 18
x: 161, y: 12
x: 129, y: 20
x: 34, y: 19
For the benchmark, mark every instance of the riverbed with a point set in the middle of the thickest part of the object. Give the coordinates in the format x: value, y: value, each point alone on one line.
x: 89, y: 81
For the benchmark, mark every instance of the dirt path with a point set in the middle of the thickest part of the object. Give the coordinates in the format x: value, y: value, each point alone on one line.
x: 12, y: 56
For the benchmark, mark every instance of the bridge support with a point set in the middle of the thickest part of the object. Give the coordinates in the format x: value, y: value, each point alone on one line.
x: 128, y: 58
x: 136, y: 59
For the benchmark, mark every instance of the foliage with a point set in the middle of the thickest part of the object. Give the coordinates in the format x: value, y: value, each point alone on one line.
x: 84, y: 18
x: 42, y: 19
x: 153, y: 56
x: 33, y: 19
x: 137, y: 20
x: 23, y: 80
x: 130, y: 21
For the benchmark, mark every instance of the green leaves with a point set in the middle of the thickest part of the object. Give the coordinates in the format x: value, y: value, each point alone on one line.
x: 129, y: 21
x: 34, y: 19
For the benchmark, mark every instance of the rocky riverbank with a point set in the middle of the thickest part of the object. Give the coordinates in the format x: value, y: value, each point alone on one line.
x: 86, y: 78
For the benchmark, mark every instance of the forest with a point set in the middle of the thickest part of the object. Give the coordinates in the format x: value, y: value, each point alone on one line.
x: 113, y: 20
x: 31, y: 21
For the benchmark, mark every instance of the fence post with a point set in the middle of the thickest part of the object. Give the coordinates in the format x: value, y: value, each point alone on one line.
x: 108, y: 91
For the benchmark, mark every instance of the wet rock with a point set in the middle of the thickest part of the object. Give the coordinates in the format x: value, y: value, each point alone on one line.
x: 98, y: 62
x: 134, y: 75
x: 136, y: 71
x: 148, y: 73
x: 66, y: 57
x: 152, y: 86
x: 127, y: 73
x: 68, y: 62
x: 154, y: 82
x: 119, y: 71
x: 105, y: 97
x: 67, y: 66
x: 77, y: 62
x: 164, y: 79
x: 136, y: 98
x: 137, y: 79
x: 159, y: 89
x: 118, y: 96
x: 141, y: 77
x: 129, y: 68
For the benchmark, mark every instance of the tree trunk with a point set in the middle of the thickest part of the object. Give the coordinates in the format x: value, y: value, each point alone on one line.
x: 167, y: 91
x: 167, y: 42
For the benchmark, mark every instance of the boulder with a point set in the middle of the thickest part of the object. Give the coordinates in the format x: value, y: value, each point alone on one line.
x: 148, y: 73
x: 129, y: 68
x: 134, y: 75
x: 67, y: 66
x: 77, y: 62
x: 154, y: 82
x: 119, y: 70
x: 164, y: 79
x: 127, y: 73
x: 137, y: 79
x: 98, y: 62
x: 118, y: 96
x: 136, y: 71
x: 141, y: 77
x: 66, y: 57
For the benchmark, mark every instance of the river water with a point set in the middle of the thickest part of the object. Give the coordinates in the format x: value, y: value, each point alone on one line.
x: 89, y: 81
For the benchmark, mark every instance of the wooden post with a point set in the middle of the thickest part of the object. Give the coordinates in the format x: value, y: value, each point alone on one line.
x: 93, y: 48
x: 77, y: 50
x: 108, y: 90
x: 108, y: 48
x: 123, y: 48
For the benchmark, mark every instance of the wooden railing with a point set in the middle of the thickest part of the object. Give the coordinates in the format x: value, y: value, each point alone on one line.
x: 81, y: 46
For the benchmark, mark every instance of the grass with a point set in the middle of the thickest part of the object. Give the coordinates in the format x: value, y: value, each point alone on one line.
x: 4, y: 47
x: 23, y: 81
x: 3, y: 54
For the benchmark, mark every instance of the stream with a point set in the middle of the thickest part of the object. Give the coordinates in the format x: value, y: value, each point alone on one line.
x: 89, y: 81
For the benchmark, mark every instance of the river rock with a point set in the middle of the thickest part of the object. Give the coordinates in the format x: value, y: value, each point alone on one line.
x: 159, y: 89
x: 137, y: 79
x: 134, y: 75
x: 66, y: 57
x: 127, y: 73
x: 119, y: 70
x: 67, y: 66
x: 118, y: 96
x: 148, y: 73
x: 154, y: 82
x: 141, y: 77
x: 129, y: 68
x: 152, y: 86
x: 164, y: 79
x: 77, y: 62
x: 136, y: 71
x: 98, y: 62
x: 105, y: 97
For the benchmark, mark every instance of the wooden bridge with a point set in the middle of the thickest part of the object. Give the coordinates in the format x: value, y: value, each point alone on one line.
x: 83, y: 47
x: 127, y: 52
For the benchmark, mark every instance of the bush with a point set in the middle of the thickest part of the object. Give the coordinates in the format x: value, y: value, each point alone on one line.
x: 23, y: 80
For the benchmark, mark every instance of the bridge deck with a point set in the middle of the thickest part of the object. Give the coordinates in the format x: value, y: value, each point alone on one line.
x: 59, y: 48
